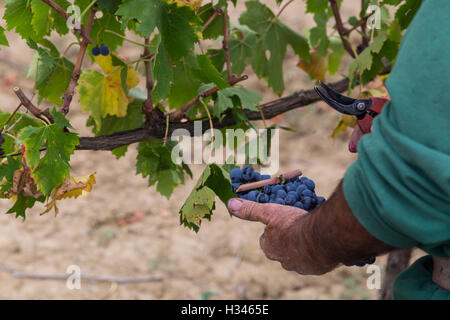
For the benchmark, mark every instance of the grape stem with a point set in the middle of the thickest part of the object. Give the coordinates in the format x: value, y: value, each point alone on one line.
x: 77, y: 69
x: 225, y: 46
x: 35, y: 111
x: 271, y: 181
x: 340, y: 27
x: 147, y: 107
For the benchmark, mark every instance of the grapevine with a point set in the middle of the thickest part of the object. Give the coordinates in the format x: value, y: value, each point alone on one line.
x: 194, y: 61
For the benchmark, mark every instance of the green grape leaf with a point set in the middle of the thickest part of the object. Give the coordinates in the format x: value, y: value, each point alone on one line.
x: 273, y: 36
x: 9, y: 146
x: 46, y: 18
x: 7, y: 170
x: 3, y: 40
x: 316, y: 6
x: 184, y: 86
x: 222, y: 104
x: 176, y: 24
x: 110, y: 5
x: 201, y: 201
x: 49, y: 170
x: 241, y: 43
x: 318, y: 34
x: 365, y: 59
x: 162, y: 74
x: 207, y: 73
x: 22, y: 204
x: 147, y: 12
x: 155, y: 162
x: 177, y: 29
x: 51, y: 74
x: 249, y: 99
x: 391, y: 2
x: 100, y: 34
x: 406, y: 12
x: 18, y: 16
x: 388, y: 51
x: 336, y: 55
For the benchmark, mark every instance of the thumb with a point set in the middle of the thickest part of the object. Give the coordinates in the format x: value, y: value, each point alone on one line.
x: 250, y: 210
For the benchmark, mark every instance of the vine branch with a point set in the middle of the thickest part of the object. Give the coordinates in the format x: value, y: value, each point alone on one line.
x: 178, y: 114
x: 84, y: 33
x: 226, y: 49
x: 268, y: 110
x: 361, y: 23
x: 147, y: 107
x: 340, y: 28
x: 35, y: 111
x: 77, y: 69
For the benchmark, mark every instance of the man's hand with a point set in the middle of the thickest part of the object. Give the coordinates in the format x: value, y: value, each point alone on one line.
x: 311, y: 242
x: 281, y: 240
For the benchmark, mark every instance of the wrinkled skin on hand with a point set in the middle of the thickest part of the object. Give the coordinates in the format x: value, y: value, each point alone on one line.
x: 282, y: 237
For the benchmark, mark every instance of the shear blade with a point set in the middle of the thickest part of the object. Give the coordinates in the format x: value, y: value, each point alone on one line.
x: 336, y: 95
x: 342, y: 103
x: 342, y: 108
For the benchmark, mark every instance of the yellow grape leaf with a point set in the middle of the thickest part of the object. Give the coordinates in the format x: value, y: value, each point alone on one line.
x: 115, y: 99
x: 316, y: 67
x: 103, y: 94
x: 72, y: 187
x: 346, y: 121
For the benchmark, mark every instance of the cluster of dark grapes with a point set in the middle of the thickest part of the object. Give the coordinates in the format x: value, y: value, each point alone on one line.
x: 296, y: 192
x: 103, y: 50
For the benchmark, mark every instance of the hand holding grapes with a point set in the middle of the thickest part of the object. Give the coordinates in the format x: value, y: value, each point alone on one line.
x: 283, y: 238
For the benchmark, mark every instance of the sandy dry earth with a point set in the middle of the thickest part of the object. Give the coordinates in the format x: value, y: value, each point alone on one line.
x: 223, y: 260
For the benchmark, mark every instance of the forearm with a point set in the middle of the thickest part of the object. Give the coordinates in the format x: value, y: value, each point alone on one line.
x: 331, y: 235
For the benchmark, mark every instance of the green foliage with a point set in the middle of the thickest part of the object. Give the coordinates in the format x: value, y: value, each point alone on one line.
x: 154, y: 161
x: 201, y: 202
x: 186, y: 59
x: 248, y: 98
x: 175, y: 23
x: 49, y: 170
x: 3, y: 40
x: 273, y: 36
x: 50, y: 72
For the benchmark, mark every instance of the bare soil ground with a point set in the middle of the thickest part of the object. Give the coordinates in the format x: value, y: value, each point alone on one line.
x: 222, y: 261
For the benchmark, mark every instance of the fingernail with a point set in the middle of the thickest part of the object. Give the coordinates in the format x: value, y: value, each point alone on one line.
x: 234, y: 205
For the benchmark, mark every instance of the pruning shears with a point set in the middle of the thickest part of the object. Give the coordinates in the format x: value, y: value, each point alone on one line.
x: 365, y: 110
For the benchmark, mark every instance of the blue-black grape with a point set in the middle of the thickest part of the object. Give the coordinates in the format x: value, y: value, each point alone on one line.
x: 104, y: 50
x: 95, y: 51
x: 236, y: 175
x: 281, y: 194
x: 267, y: 189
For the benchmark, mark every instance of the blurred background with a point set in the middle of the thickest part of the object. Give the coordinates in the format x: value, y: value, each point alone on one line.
x: 125, y: 229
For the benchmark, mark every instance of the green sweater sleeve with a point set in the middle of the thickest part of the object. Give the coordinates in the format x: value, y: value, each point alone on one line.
x: 399, y: 188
